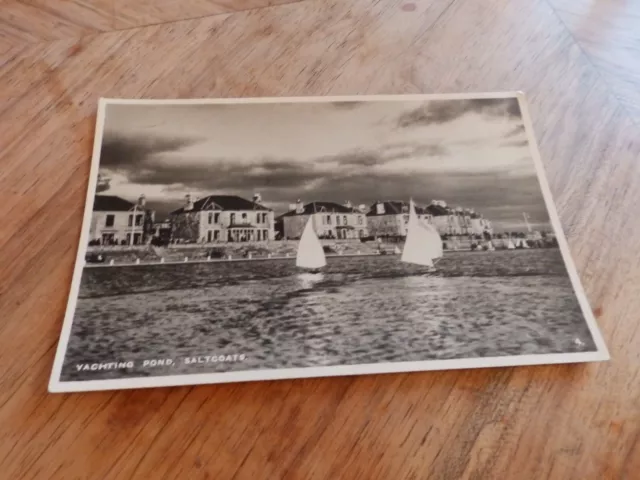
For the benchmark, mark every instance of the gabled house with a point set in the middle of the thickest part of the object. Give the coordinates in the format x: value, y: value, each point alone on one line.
x: 116, y: 221
x: 390, y: 218
x: 330, y: 220
x: 222, y: 218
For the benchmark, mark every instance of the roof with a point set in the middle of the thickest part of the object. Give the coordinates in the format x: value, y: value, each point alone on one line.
x: 393, y: 207
x: 223, y: 202
x: 321, y: 207
x: 397, y: 207
x: 437, y: 210
x: 111, y: 203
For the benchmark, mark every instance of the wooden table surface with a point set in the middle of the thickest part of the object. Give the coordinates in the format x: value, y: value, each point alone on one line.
x: 577, y: 60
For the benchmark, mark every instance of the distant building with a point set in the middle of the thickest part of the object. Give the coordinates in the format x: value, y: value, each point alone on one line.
x: 330, y: 220
x: 390, y: 219
x: 116, y: 221
x: 222, y: 218
x: 162, y: 231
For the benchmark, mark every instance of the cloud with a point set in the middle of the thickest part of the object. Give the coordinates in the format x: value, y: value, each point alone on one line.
x: 103, y: 183
x: 515, y: 143
x: 444, y: 111
x: 144, y: 162
x: 385, y: 155
x: 121, y: 152
x: 501, y: 194
x: 515, y: 131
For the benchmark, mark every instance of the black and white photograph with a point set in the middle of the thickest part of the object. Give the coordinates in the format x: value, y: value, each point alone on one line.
x: 247, y: 239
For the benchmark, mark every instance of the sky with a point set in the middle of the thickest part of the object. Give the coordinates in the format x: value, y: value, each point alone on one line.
x: 469, y: 153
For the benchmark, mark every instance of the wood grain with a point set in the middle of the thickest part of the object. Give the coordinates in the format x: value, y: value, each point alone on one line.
x: 608, y: 32
x: 571, y: 421
x: 149, y: 12
x: 42, y: 20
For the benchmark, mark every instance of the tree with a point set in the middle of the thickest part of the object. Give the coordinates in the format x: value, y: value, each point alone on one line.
x: 103, y: 183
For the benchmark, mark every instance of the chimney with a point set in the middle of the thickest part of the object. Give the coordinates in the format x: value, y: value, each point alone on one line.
x: 142, y: 200
x: 257, y: 198
x: 188, y: 204
x: 299, y: 206
x: 380, y: 208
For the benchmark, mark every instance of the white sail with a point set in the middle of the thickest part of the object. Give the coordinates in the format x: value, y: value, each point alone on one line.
x: 510, y: 245
x: 310, y: 252
x: 423, y: 243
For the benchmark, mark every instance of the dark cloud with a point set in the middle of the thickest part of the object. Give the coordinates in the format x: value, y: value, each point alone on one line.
x: 103, y: 184
x: 443, y: 111
x: 225, y: 174
x: 120, y: 152
x: 389, y: 153
x: 515, y: 143
x: 213, y: 174
x: 515, y: 131
x: 502, y: 195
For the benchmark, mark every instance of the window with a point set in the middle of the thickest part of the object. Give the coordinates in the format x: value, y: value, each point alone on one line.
x: 361, y: 233
x: 328, y: 219
x: 210, y: 220
x: 233, y: 218
x: 344, y: 220
x: 265, y: 234
x: 360, y: 221
x: 258, y: 235
x: 138, y: 220
x: 337, y: 220
x: 109, y: 221
x: 244, y: 217
x: 216, y: 235
x: 130, y: 220
x: 216, y: 218
x: 258, y: 218
x: 209, y: 233
x: 264, y: 218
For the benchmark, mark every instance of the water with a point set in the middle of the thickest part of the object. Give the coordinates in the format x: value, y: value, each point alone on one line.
x: 358, y: 310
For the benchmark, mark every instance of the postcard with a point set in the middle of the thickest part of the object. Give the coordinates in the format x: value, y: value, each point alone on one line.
x: 250, y: 239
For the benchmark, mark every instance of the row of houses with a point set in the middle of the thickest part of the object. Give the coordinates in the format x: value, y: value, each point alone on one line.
x: 386, y: 219
x: 229, y: 218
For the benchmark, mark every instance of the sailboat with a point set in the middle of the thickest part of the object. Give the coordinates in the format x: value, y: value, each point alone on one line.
x: 510, y: 245
x: 310, y: 254
x: 423, y: 244
x: 396, y: 250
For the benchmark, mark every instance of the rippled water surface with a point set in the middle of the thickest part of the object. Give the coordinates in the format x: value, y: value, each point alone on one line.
x: 358, y: 310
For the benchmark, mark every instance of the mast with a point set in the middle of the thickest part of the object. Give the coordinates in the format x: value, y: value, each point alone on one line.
x: 526, y: 221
